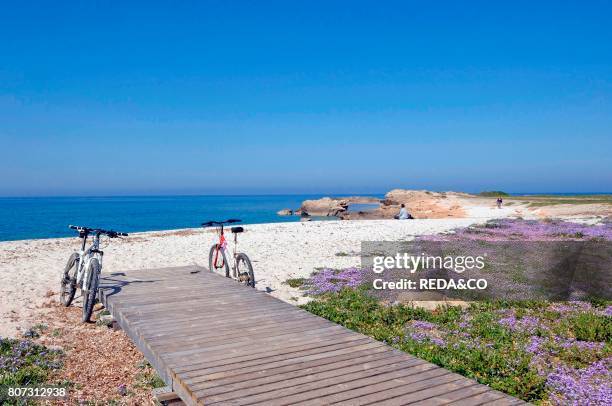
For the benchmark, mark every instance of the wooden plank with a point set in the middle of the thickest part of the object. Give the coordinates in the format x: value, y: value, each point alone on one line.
x: 488, y: 398
x: 280, y: 374
x: 262, y: 391
x: 195, y: 330
x: 319, y: 349
x: 344, y: 392
x: 219, y: 360
x: 211, y: 325
x: 459, y: 394
x: 236, y: 349
x: 435, y: 389
x: 287, y: 365
x: 215, y: 341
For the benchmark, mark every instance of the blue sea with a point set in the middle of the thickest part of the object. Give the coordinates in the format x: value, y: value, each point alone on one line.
x: 49, y: 217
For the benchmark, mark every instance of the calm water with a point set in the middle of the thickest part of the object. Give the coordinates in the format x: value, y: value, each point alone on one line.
x: 48, y: 217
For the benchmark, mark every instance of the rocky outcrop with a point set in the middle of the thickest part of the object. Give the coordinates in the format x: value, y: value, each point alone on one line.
x: 420, y: 204
x: 423, y: 203
x: 325, y: 207
x: 285, y: 212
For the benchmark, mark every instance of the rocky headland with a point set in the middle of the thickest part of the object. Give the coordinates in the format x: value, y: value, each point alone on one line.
x: 424, y: 204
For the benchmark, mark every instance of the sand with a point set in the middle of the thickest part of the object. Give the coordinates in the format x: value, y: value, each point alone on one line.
x: 30, y: 270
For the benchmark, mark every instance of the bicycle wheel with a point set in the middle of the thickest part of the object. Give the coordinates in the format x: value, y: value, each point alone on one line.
x: 68, y: 283
x: 245, y: 270
x: 217, y: 261
x: 89, y: 296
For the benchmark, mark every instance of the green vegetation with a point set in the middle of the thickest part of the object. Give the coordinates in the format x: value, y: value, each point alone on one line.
x: 103, y: 319
x: 295, y: 282
x: 493, y: 193
x: 590, y: 327
x: 35, y: 331
x: 510, y: 346
x: 551, y: 200
x: 147, y: 378
x: 23, y: 363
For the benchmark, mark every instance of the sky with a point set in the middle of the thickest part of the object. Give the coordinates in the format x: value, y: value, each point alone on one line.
x: 228, y: 97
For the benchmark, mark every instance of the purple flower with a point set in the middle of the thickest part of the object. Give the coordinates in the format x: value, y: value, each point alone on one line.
x: 418, y: 337
x: 424, y: 325
x: 529, y: 230
x: 526, y: 324
x: 588, y: 386
x: 437, y: 341
x: 122, y: 390
x: 534, y: 345
x: 331, y: 280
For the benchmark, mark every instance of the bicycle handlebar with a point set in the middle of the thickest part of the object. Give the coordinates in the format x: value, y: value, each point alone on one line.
x: 219, y: 223
x: 87, y: 230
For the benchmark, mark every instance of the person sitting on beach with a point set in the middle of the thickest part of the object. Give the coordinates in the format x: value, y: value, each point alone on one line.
x: 403, y: 214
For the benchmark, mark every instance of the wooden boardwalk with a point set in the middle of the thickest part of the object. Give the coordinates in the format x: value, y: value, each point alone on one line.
x: 216, y: 342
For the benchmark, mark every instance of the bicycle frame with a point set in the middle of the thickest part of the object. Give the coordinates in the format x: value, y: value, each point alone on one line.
x: 85, y: 257
x: 223, y: 248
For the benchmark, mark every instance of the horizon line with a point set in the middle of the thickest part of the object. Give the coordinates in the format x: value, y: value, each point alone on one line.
x: 289, y: 194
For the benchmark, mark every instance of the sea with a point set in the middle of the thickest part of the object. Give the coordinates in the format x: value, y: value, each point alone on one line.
x: 24, y: 218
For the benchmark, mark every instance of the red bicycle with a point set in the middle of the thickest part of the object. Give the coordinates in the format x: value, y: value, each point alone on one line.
x: 241, y: 269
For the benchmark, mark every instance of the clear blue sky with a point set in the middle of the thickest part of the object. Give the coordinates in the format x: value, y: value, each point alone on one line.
x: 291, y: 97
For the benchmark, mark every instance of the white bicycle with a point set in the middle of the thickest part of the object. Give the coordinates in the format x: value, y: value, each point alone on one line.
x: 83, y: 269
x: 242, y: 270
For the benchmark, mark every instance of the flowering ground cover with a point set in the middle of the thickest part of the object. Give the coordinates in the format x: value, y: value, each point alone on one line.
x: 97, y: 364
x: 528, y: 230
x: 548, y: 353
x: 23, y: 362
x: 540, y: 351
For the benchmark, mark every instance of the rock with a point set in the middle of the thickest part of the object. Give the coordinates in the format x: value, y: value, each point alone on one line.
x: 106, y: 320
x: 424, y: 204
x: 285, y: 212
x: 325, y: 207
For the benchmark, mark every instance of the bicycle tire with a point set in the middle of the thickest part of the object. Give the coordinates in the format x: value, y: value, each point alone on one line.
x: 68, y: 282
x: 89, y: 296
x: 246, y: 275
x: 216, y: 267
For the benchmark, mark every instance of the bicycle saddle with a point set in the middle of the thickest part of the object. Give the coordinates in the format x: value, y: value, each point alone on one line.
x: 237, y: 229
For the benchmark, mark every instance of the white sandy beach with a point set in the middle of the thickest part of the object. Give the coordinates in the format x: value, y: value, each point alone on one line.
x: 30, y: 270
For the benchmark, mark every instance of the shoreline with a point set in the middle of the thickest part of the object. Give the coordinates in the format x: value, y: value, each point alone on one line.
x: 30, y: 269
x: 50, y: 216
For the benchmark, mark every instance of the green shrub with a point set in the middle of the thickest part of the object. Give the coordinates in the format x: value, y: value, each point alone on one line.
x: 295, y: 282
x: 591, y: 327
x: 25, y: 363
x: 147, y: 377
x: 493, y: 193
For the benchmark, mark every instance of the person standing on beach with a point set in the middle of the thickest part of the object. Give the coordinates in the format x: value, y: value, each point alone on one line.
x: 499, y: 202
